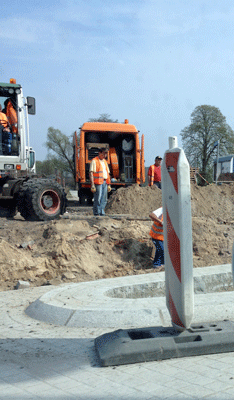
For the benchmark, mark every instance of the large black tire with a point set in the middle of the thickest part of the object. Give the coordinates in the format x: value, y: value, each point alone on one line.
x: 41, y: 200
x: 8, y: 208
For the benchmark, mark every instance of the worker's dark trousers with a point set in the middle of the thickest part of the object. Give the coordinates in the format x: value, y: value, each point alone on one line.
x: 100, y: 199
x: 158, y: 184
x: 159, y: 254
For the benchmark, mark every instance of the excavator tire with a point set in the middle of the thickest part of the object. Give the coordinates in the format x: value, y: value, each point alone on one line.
x: 41, y: 200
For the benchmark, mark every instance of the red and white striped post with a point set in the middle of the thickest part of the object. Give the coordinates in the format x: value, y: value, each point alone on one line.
x: 177, y: 236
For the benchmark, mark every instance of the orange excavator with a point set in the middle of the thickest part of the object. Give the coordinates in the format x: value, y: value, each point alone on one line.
x: 125, y: 156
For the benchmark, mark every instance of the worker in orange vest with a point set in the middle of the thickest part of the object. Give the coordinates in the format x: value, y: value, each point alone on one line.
x: 4, y: 120
x: 11, y: 115
x: 4, y: 131
x: 99, y: 175
x: 154, y: 173
x: 156, y: 233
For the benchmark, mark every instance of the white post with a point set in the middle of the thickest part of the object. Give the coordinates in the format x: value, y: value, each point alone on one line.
x: 173, y: 142
x: 177, y: 224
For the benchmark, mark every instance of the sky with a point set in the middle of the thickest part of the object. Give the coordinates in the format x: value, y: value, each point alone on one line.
x: 151, y: 62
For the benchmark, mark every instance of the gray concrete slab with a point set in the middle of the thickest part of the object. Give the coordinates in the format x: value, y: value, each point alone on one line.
x: 41, y: 360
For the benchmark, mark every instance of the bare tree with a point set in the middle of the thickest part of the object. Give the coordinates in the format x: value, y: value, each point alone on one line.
x: 61, y: 147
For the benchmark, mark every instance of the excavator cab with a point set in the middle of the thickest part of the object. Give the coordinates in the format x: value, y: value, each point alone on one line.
x: 36, y: 199
x: 8, y: 142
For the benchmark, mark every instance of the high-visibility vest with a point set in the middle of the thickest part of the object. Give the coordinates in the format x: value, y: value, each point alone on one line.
x: 12, y: 117
x: 156, y: 231
x: 98, y: 175
x: 152, y: 176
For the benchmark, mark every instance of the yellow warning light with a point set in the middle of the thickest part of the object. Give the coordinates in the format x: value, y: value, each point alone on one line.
x: 126, y: 121
x: 12, y: 80
x: 18, y: 167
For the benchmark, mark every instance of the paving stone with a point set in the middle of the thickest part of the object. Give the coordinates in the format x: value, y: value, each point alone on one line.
x: 44, y: 361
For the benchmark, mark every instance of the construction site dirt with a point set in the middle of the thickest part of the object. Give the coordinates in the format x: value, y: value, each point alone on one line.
x: 80, y: 247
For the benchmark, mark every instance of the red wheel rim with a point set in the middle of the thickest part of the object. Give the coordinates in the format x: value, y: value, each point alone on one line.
x: 50, y: 202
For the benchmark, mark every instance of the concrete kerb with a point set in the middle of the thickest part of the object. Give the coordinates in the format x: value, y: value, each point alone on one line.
x: 133, y: 301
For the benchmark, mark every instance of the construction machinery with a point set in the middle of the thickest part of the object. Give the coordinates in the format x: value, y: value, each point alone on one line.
x: 125, y: 156
x: 20, y: 189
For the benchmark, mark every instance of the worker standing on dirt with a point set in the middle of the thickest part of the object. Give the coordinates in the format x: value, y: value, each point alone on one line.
x: 156, y: 233
x: 11, y: 115
x: 99, y: 175
x: 154, y: 173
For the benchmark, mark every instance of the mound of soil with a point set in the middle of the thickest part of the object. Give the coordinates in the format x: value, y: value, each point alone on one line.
x: 80, y: 247
x: 135, y: 200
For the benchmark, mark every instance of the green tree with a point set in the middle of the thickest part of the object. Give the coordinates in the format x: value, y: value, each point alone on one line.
x: 103, y: 118
x: 60, y: 149
x: 208, y: 125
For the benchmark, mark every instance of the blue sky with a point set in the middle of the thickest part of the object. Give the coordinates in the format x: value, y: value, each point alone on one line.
x: 151, y: 62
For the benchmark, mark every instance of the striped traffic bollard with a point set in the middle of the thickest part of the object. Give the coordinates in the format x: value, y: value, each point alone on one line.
x: 178, y: 237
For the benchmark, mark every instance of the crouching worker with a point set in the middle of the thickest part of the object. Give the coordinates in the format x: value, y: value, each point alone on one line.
x: 99, y: 175
x: 156, y: 233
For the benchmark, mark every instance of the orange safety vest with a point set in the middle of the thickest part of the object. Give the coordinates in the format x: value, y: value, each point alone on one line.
x: 152, y: 176
x: 98, y: 175
x: 12, y: 117
x: 156, y: 231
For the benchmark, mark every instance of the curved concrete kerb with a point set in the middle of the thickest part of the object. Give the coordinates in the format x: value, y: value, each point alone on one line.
x: 132, y: 301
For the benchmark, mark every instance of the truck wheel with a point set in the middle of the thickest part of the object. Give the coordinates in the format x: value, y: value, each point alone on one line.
x: 41, y: 200
x: 12, y: 210
x: 8, y: 208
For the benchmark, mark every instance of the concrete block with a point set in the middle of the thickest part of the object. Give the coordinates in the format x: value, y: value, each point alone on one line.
x: 158, y: 343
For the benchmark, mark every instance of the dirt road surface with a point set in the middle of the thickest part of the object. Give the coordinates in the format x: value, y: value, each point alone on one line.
x: 80, y: 247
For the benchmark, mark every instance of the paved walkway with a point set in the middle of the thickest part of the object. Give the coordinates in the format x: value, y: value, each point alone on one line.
x: 41, y: 360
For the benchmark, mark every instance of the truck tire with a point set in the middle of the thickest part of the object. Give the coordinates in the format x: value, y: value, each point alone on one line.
x: 41, y: 200
x: 8, y: 208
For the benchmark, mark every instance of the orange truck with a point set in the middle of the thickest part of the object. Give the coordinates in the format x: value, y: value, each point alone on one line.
x: 125, y: 156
